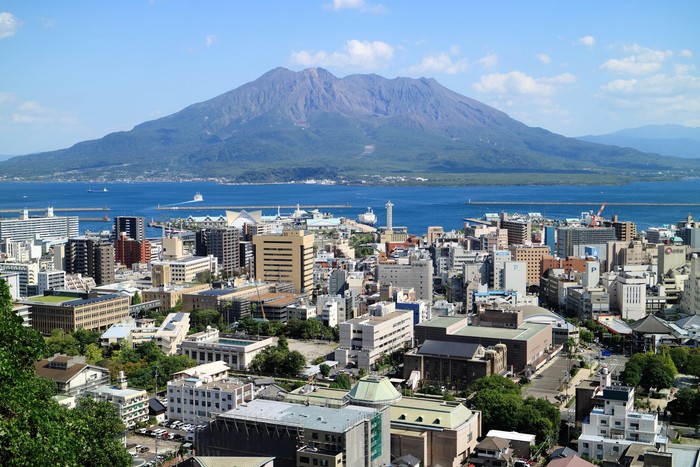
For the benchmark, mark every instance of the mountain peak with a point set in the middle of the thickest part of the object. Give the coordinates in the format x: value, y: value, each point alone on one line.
x: 290, y: 125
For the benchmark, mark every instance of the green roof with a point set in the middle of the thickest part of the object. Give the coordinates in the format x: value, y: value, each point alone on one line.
x: 524, y: 332
x: 429, y: 413
x: 374, y: 390
x: 52, y: 298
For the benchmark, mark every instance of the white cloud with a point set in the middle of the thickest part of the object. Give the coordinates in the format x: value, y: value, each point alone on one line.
x: 685, y: 53
x: 587, y: 40
x: 642, y: 61
x: 359, y: 5
x: 363, y: 55
x: 48, y: 23
x: 517, y: 82
x: 488, y: 61
x: 209, y: 40
x: 657, y: 97
x: 439, y: 63
x: 7, y: 98
x: 544, y: 58
x: 9, y: 24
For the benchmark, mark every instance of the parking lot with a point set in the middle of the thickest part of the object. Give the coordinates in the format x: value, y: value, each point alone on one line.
x: 548, y: 383
x: 147, y: 446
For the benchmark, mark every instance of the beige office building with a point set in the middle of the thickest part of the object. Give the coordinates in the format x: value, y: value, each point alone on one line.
x: 288, y: 257
x: 532, y: 255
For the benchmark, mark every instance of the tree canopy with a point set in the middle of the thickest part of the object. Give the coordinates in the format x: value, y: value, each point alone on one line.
x: 502, y: 408
x: 650, y: 370
x: 34, y: 428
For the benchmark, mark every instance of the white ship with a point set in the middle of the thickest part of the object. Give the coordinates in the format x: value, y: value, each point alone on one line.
x: 368, y: 218
x: 198, y: 197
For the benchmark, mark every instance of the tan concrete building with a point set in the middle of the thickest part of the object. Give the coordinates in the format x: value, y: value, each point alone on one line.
x: 288, y: 257
x: 170, y: 295
x: 182, y: 271
x: 73, y: 310
x: 435, y: 432
x: 533, y: 256
x: 528, y: 344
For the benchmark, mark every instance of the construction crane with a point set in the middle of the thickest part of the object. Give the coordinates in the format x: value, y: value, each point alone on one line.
x: 596, y: 217
x: 262, y: 308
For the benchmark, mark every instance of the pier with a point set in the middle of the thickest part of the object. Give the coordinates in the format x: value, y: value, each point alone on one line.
x: 55, y: 210
x: 238, y: 208
x: 573, y: 203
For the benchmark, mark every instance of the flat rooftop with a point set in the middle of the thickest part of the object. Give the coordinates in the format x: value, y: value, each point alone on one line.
x: 524, y: 332
x: 309, y: 417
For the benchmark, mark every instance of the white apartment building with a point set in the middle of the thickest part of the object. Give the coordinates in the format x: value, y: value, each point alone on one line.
x: 610, y: 429
x: 333, y: 303
x: 47, y: 227
x: 418, y: 274
x: 49, y: 280
x: 197, y: 400
x: 131, y: 404
x: 28, y: 274
x: 214, y: 371
x: 366, y: 338
x: 628, y: 293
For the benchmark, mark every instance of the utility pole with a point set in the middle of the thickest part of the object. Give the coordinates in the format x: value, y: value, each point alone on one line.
x: 155, y: 393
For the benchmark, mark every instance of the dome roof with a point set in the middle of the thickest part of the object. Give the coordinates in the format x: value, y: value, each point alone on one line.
x: 373, y: 390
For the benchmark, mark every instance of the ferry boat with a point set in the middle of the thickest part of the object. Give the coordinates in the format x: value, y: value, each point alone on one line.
x: 367, y: 218
x: 103, y: 190
x: 198, y: 197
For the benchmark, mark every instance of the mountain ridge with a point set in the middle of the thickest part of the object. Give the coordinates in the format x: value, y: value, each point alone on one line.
x: 290, y: 125
x: 667, y: 140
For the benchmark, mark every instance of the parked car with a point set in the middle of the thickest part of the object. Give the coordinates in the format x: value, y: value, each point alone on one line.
x: 144, y: 449
x: 142, y: 431
x: 186, y: 427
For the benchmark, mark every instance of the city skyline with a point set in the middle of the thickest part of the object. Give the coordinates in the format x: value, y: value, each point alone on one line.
x: 80, y: 70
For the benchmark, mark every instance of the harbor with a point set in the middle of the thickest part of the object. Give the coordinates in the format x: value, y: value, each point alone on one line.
x: 239, y: 208
x: 573, y: 203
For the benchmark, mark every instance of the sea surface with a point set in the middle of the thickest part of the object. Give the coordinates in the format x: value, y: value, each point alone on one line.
x: 414, y: 207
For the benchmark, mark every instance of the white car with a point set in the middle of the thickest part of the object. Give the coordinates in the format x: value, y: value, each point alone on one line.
x: 186, y: 427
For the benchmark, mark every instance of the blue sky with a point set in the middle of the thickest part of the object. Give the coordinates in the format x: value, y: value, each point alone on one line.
x: 77, y: 70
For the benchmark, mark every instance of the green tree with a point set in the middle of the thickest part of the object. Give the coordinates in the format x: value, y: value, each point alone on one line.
x: 586, y: 335
x: 684, y: 405
x: 60, y: 342
x: 93, y: 354
x: 34, y: 429
x: 679, y: 355
x: 342, y: 381
x: 136, y: 299
x: 200, y: 319
x: 497, y: 383
x: 283, y: 343
x: 85, y: 338
x: 325, y: 370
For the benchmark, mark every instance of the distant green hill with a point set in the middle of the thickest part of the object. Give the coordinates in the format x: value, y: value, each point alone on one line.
x: 297, y: 125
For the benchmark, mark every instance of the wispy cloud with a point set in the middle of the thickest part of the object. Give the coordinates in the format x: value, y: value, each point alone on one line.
x: 587, y: 40
x: 360, y: 55
x: 359, y: 5
x: 48, y: 23
x: 209, y: 40
x: 517, y: 82
x: 660, y: 96
x: 544, y: 58
x: 641, y: 61
x: 488, y: 61
x: 685, y: 53
x: 439, y: 63
x: 14, y: 111
x: 9, y: 24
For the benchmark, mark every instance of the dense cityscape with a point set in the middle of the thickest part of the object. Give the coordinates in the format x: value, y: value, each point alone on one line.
x: 314, y: 340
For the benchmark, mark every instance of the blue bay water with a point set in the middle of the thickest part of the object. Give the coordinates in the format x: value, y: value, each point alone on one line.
x: 414, y: 207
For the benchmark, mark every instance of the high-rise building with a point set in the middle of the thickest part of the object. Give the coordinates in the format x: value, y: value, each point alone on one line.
x: 224, y: 244
x: 129, y: 251
x: 532, y: 255
x: 91, y: 257
x: 418, y: 274
x: 571, y: 241
x: 519, y: 232
x: 287, y: 257
x: 47, y: 227
x: 133, y: 226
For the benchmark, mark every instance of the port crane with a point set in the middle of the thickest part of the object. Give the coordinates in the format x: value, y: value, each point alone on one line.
x: 596, y: 217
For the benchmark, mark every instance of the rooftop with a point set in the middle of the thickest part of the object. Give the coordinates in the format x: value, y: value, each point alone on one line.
x: 524, y: 332
x: 310, y: 417
x: 429, y: 413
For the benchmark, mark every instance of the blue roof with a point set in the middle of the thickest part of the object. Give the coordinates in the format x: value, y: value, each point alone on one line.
x: 215, y: 292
